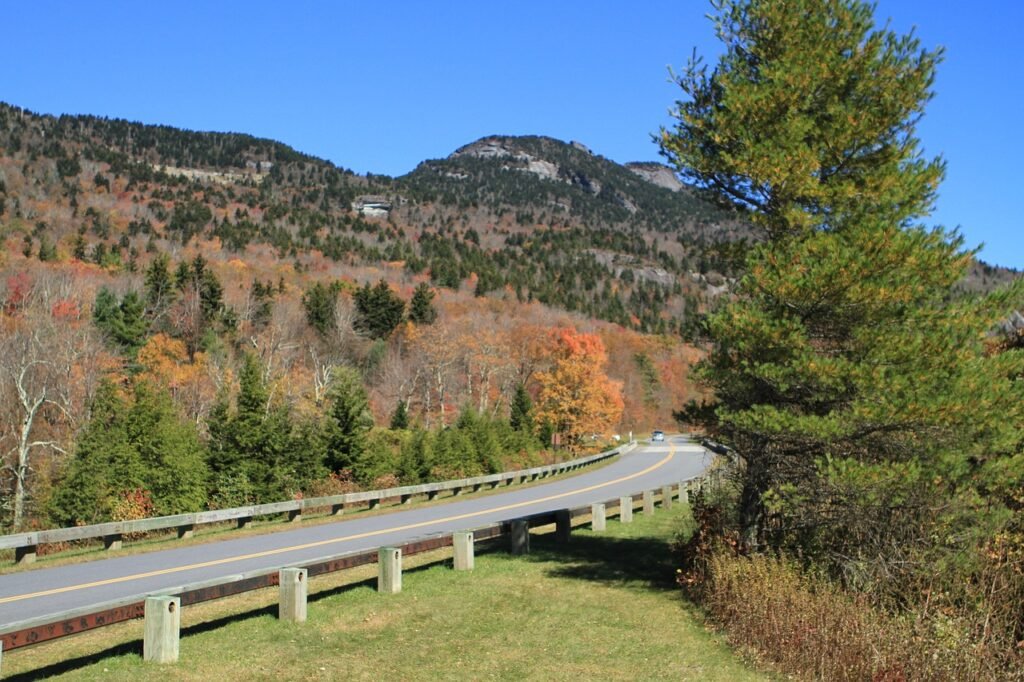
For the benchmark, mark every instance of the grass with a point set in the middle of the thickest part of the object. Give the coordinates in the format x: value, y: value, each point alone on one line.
x: 92, y: 550
x: 604, y: 606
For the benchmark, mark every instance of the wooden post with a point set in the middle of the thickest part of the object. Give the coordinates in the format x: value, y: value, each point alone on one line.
x: 563, y: 525
x: 626, y: 509
x: 187, y: 531
x: 597, y: 517
x: 666, y: 497
x: 25, y: 555
x: 245, y: 522
x: 162, y: 629
x: 295, y: 516
x: 462, y: 542
x: 405, y: 499
x: 292, y: 593
x: 519, y: 537
x: 112, y: 542
x: 648, y: 503
x: 432, y: 494
x: 389, y: 575
x: 374, y: 503
x: 684, y: 492
x: 337, y: 509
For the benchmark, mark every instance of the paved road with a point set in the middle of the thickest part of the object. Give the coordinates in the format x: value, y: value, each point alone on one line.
x: 43, y: 591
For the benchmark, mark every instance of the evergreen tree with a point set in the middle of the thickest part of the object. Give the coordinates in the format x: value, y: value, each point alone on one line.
x: 158, y: 285
x: 847, y: 378
x: 416, y: 459
x: 807, y: 121
x: 170, y: 451
x: 400, y: 417
x: 349, y: 420
x: 130, y: 332
x: 319, y: 301
x: 421, y: 307
x: 378, y: 310
x: 104, y: 464
x: 521, y: 413
x: 251, y: 449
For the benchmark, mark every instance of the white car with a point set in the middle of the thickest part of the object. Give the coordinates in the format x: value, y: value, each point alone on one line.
x: 657, y: 436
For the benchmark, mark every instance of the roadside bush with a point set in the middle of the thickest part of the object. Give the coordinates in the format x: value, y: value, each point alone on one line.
x: 808, y: 626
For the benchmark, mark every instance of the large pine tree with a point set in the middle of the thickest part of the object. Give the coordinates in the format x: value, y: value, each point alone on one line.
x: 853, y: 383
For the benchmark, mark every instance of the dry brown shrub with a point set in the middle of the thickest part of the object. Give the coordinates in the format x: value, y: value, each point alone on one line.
x: 809, y: 627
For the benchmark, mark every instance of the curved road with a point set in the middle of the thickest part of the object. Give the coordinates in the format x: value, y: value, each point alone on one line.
x: 44, y: 591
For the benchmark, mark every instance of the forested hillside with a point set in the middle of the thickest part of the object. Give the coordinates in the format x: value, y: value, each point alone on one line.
x: 206, y: 319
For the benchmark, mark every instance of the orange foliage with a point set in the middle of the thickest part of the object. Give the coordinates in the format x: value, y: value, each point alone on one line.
x: 576, y: 395
x: 165, y: 363
x: 66, y: 310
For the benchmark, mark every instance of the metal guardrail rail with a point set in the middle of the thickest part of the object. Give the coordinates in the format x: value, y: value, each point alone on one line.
x: 25, y: 545
x: 54, y: 626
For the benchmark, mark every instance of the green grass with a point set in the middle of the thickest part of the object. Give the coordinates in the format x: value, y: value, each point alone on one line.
x: 603, y: 607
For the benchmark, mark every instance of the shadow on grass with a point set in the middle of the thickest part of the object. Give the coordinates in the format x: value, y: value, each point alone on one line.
x: 134, y: 647
x: 644, y: 563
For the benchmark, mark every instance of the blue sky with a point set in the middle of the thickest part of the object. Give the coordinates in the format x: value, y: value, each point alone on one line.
x: 378, y: 87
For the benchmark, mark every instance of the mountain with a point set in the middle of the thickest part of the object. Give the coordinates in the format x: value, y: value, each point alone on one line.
x: 529, y: 217
x: 532, y: 216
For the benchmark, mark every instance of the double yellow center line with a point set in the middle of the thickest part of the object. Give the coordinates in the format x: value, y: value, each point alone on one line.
x: 332, y: 541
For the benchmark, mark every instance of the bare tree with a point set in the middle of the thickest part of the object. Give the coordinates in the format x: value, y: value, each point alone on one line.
x: 42, y: 398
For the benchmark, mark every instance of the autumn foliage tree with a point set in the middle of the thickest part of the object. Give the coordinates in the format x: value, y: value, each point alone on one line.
x: 576, y: 396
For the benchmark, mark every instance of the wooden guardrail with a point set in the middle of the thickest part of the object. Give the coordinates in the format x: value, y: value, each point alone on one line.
x: 25, y: 545
x: 54, y: 626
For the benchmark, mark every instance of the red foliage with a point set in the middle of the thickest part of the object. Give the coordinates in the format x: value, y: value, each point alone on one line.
x: 66, y: 310
x: 18, y: 287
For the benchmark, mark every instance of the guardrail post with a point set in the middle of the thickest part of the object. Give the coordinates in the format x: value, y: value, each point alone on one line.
x: 431, y: 495
x: 462, y: 542
x: 295, y: 515
x: 666, y: 497
x: 25, y: 555
x: 338, y: 509
x: 293, y: 590
x: 389, y: 575
x: 112, y: 542
x: 648, y: 503
x: 597, y: 517
x: 405, y: 499
x: 519, y: 537
x: 684, y: 492
x: 456, y: 491
x: 162, y: 627
x: 244, y: 522
x: 186, y: 531
x: 563, y: 525
x: 626, y: 509
x: 374, y: 503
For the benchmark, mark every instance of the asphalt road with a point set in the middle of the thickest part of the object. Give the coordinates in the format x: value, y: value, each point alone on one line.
x: 44, y: 591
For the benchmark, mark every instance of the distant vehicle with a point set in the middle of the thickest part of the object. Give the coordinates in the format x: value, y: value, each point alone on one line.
x: 657, y: 436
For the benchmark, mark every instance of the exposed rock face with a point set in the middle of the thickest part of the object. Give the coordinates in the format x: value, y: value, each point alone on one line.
x: 497, y: 148
x: 657, y: 174
x: 544, y: 169
x: 487, y: 148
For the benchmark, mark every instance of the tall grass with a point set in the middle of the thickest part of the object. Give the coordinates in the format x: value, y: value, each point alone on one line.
x: 808, y: 626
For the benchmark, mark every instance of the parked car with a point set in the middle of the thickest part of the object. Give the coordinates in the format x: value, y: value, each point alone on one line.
x: 657, y: 436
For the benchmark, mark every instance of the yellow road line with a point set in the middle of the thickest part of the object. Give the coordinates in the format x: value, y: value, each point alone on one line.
x: 320, y: 543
